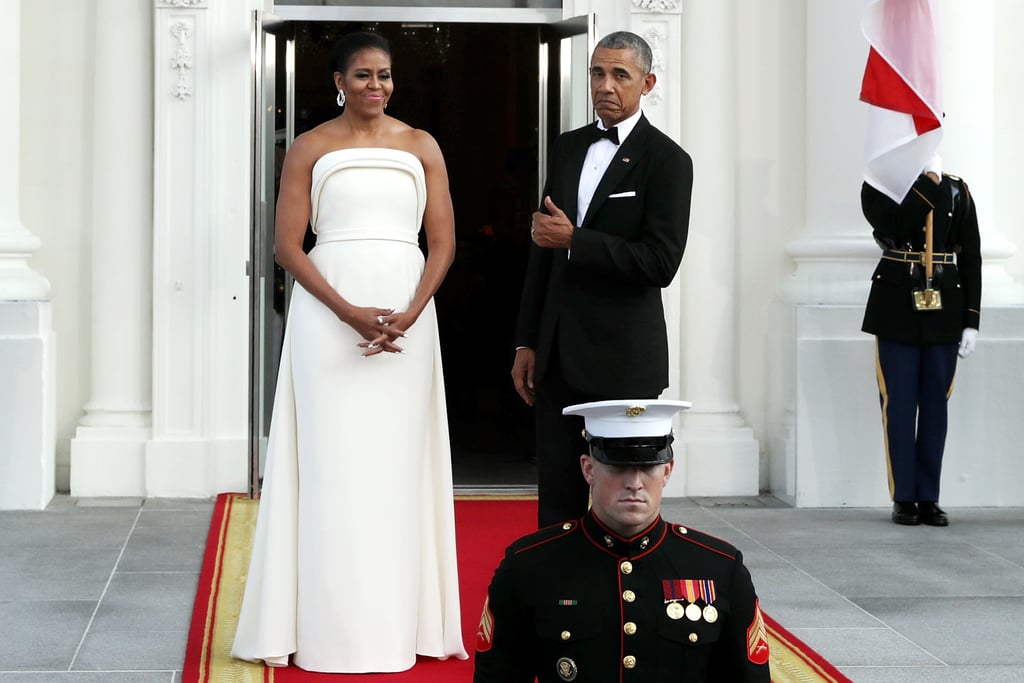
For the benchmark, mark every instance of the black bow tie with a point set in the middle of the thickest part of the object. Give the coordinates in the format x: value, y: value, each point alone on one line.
x: 610, y: 133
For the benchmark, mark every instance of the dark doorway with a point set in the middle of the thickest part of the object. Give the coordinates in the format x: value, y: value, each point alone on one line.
x: 475, y: 88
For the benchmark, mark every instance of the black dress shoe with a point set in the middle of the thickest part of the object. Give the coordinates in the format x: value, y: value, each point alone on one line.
x: 932, y: 514
x: 906, y: 513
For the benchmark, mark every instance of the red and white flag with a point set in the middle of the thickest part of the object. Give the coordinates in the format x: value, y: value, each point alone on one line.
x: 903, y: 86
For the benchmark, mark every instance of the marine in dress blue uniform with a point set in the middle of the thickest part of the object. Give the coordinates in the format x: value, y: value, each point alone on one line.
x: 582, y: 601
x: 917, y: 349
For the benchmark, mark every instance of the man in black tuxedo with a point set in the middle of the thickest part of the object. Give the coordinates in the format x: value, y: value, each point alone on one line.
x: 609, y: 236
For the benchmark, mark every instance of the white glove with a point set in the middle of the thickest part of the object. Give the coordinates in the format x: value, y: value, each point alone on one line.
x: 934, y: 165
x: 967, y: 342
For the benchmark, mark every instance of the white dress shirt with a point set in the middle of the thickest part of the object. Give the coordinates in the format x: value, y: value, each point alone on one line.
x: 598, y: 158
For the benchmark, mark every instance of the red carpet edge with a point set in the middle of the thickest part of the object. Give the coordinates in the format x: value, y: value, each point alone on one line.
x: 484, y: 526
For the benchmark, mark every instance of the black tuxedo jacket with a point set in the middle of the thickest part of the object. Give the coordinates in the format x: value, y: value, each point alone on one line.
x: 602, y: 297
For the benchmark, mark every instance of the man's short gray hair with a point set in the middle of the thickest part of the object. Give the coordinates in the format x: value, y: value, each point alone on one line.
x: 624, y: 40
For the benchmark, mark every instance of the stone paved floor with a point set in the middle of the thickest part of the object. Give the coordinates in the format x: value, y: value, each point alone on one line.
x: 98, y: 591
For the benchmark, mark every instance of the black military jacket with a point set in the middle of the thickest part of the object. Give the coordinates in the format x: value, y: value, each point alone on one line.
x: 576, y: 602
x: 890, y: 312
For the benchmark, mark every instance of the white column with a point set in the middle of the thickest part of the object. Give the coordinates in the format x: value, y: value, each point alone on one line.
x: 202, y: 164
x: 1008, y: 129
x: 968, y: 146
x: 107, y: 452
x: 719, y: 453
x: 834, y: 255
x: 835, y: 245
x: 18, y: 282
x: 27, y: 353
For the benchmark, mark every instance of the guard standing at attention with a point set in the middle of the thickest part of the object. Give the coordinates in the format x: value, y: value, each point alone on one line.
x: 924, y: 310
x: 621, y: 594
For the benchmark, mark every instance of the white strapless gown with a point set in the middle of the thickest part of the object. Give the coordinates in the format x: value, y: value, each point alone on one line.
x: 353, y: 563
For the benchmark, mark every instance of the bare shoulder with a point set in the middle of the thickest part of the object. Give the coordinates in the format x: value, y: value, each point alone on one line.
x: 314, y: 143
x: 420, y: 143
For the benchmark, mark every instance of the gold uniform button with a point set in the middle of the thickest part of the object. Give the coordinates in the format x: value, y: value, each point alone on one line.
x: 629, y: 661
x: 626, y: 567
x: 682, y: 530
x: 567, y: 526
x: 629, y: 627
x: 693, y: 637
x: 566, y: 635
x: 628, y: 596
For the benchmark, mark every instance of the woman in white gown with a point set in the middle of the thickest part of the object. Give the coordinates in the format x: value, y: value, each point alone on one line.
x: 353, y: 565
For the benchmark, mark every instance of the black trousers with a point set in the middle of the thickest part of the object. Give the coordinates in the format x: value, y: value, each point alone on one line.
x: 562, y: 492
x: 914, y: 385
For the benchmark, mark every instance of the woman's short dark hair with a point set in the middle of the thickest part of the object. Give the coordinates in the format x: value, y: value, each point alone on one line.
x: 348, y: 45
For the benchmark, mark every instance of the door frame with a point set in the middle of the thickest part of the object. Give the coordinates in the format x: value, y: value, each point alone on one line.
x: 575, y: 38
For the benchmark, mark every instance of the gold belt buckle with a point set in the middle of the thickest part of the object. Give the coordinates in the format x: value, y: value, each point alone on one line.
x: 927, y: 300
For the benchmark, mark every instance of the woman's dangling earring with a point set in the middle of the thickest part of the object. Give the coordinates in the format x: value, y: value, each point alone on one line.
x: 341, y: 98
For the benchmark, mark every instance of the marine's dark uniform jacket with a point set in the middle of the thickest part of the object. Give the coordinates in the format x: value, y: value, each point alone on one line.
x: 576, y: 602
x: 899, y: 229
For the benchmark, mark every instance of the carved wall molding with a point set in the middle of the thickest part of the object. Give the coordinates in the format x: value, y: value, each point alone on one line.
x: 657, y: 5
x: 198, y: 4
x: 656, y: 37
x: 182, y: 59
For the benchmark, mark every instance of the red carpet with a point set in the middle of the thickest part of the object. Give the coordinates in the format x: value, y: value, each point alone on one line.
x: 484, y: 526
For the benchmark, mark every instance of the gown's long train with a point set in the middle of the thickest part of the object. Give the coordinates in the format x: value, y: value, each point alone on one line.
x: 353, y: 565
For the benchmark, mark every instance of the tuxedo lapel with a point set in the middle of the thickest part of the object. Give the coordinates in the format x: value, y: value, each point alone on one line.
x: 573, y: 169
x: 625, y: 158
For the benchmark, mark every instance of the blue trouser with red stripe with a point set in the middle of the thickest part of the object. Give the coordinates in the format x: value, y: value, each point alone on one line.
x: 914, y: 384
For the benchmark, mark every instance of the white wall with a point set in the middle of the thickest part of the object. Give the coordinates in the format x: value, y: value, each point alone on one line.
x: 770, y: 45
x: 1009, y: 130
x: 57, y: 128
x: 56, y: 163
x: 771, y: 187
x: 202, y: 184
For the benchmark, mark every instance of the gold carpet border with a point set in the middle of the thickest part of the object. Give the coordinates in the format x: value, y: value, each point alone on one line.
x: 787, y: 662
x: 230, y: 571
x: 204, y: 652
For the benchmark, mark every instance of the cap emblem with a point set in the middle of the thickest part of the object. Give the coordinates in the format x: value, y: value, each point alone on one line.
x: 635, y: 411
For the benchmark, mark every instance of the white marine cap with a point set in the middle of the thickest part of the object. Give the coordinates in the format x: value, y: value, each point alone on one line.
x: 630, y: 432
x: 628, y: 417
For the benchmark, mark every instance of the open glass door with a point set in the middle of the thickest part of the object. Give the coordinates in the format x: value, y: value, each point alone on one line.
x: 267, y: 287
x: 565, y: 104
x: 495, y: 175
